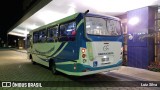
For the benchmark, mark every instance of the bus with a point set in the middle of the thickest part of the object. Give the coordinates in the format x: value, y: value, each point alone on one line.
x: 78, y: 45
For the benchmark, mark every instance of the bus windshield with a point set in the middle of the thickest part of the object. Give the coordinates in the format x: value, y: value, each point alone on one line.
x: 100, y: 26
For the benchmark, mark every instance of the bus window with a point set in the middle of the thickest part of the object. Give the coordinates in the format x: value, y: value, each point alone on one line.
x: 114, y: 27
x: 42, y: 35
x: 35, y: 37
x: 67, y: 31
x: 52, y: 34
x: 100, y: 26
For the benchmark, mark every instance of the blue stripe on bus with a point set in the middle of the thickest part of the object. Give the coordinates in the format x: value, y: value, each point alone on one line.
x: 46, y: 52
x: 101, y: 16
x: 60, y: 47
x: 46, y: 60
x: 71, y: 50
x: 69, y: 53
x: 105, y: 38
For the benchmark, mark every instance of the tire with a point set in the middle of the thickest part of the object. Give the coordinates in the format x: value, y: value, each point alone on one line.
x: 34, y: 63
x: 53, y: 68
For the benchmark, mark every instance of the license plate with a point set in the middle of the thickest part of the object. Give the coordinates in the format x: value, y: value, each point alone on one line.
x: 105, y: 59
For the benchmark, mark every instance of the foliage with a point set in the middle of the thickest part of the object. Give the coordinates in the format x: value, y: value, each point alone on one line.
x: 154, y: 67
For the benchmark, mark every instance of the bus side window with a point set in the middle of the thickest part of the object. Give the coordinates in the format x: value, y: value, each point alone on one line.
x: 52, y: 34
x: 35, y: 37
x: 42, y: 35
x: 67, y: 31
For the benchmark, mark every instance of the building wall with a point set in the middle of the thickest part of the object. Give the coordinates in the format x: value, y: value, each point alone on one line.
x: 157, y: 39
x: 140, y: 50
x: 21, y: 43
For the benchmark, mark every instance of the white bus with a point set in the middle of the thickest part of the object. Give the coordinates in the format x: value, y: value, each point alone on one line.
x: 80, y: 44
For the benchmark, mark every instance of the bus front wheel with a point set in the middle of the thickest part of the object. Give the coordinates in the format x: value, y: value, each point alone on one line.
x: 53, y: 68
x: 32, y: 60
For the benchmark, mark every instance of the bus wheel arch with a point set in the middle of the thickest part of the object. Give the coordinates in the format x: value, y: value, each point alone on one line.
x: 31, y: 58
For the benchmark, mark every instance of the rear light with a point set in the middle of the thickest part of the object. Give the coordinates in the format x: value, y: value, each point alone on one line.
x: 122, y: 49
x: 84, y: 60
x: 83, y: 50
x: 83, y: 55
x: 74, y: 66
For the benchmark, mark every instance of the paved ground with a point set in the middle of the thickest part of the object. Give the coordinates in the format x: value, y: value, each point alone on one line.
x: 14, y: 66
x: 139, y: 73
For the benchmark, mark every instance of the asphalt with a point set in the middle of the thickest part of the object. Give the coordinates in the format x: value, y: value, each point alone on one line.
x: 141, y: 74
x: 15, y: 67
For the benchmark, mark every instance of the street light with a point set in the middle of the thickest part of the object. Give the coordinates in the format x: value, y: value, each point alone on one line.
x: 133, y: 21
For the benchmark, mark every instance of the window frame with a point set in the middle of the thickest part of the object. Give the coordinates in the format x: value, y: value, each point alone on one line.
x: 106, y: 26
x: 57, y: 26
x: 38, y: 31
x: 28, y: 40
x: 43, y: 29
x: 34, y: 37
x: 74, y: 20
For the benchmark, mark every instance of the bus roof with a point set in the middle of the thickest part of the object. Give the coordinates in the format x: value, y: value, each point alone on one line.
x: 57, y: 22
x: 71, y: 18
x: 102, y: 16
